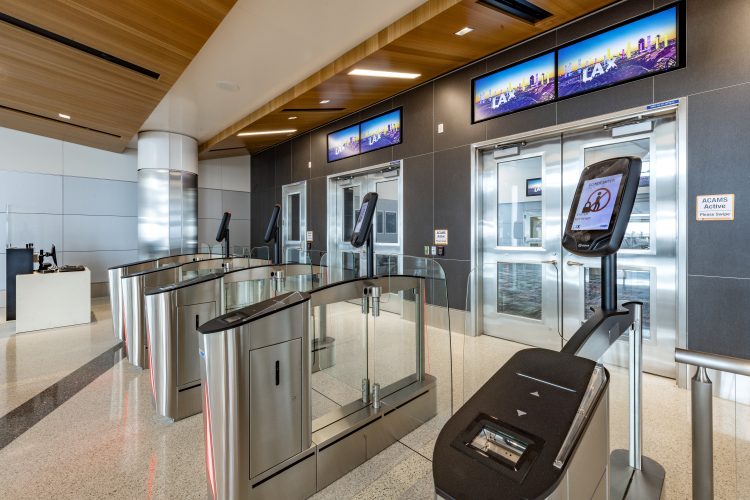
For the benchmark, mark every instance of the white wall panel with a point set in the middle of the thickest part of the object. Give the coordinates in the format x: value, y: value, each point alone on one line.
x: 207, y: 229
x: 209, y: 203
x: 99, y: 262
x: 235, y: 173
x: 83, y: 195
x: 91, y: 233
x: 30, y: 153
x: 236, y: 202
x: 31, y: 192
x: 43, y: 230
x: 82, y: 161
x: 209, y: 174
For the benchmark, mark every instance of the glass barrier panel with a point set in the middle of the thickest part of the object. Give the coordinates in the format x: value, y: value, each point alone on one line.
x: 742, y: 435
x: 245, y: 293
x: 261, y: 252
x: 339, y: 358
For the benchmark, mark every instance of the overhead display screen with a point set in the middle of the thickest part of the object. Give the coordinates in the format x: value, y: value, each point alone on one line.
x: 645, y: 46
x: 534, y: 187
x: 380, y: 132
x: 343, y: 143
x: 520, y: 86
x: 596, y: 203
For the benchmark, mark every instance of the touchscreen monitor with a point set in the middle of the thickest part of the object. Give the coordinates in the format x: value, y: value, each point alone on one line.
x: 596, y: 204
x: 361, y: 218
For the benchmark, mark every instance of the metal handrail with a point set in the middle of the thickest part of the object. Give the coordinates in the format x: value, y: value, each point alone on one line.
x: 729, y: 364
x: 701, y: 408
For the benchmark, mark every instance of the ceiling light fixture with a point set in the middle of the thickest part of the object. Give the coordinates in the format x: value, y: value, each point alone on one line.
x: 63, y: 116
x: 268, y: 132
x: 325, y: 101
x: 463, y: 31
x: 292, y: 118
x: 384, y: 74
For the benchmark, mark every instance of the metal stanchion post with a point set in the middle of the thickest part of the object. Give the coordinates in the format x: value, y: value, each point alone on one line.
x: 634, y: 373
x: 701, y: 404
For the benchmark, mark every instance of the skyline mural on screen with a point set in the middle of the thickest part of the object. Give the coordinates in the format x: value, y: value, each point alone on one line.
x: 381, y: 131
x: 514, y: 88
x: 646, y: 46
x: 343, y: 143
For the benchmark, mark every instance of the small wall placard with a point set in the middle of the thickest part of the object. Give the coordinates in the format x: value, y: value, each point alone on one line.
x: 309, y: 236
x: 714, y: 207
x: 441, y: 237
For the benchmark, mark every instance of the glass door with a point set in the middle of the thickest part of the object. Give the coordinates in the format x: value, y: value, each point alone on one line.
x: 647, y: 260
x: 345, y: 197
x: 520, y: 232
x: 293, y: 221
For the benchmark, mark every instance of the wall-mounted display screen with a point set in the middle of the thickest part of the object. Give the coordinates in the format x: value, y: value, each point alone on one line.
x: 534, y: 187
x: 520, y: 86
x: 596, y: 203
x: 381, y: 131
x: 343, y: 143
x: 642, y: 47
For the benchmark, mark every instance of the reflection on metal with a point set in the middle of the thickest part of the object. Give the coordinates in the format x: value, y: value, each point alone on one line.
x: 167, y: 212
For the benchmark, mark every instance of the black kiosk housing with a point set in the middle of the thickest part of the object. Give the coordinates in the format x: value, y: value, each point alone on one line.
x: 362, y: 232
x: 272, y: 234
x: 517, y: 435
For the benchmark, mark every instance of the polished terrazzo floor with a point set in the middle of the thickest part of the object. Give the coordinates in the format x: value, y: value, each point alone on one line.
x: 106, y: 442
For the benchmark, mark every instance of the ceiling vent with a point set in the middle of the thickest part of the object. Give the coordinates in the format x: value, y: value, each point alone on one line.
x: 55, y: 37
x: 521, y: 9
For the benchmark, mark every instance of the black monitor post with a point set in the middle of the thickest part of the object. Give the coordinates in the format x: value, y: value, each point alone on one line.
x: 272, y: 233
x: 223, y: 233
x: 363, y: 230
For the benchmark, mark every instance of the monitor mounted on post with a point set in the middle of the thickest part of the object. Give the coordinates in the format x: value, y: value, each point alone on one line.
x: 223, y: 233
x: 601, y: 207
x: 272, y: 234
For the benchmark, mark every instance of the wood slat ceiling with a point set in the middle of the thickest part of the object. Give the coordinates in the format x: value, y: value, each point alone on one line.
x: 422, y: 42
x: 40, y: 78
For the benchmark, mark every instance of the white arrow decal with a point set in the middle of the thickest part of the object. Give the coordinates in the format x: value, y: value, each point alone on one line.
x: 520, y: 413
x: 535, y: 393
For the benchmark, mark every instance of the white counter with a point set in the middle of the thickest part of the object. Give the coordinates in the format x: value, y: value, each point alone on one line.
x: 52, y: 300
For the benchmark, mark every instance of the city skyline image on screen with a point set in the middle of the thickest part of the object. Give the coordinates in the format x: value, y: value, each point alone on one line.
x: 520, y: 86
x: 639, y: 48
x: 343, y: 143
x: 381, y: 131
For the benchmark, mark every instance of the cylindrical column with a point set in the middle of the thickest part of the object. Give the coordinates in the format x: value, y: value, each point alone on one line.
x: 701, y: 404
x: 167, y: 194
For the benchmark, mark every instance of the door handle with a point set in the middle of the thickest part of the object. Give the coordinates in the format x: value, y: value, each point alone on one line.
x: 575, y: 263
x: 277, y: 373
x: 551, y: 261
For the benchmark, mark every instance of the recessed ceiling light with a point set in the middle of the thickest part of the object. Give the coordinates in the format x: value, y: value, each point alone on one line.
x: 463, y: 31
x: 383, y: 74
x: 325, y: 101
x: 228, y: 86
x: 63, y: 116
x: 292, y: 118
x: 268, y: 132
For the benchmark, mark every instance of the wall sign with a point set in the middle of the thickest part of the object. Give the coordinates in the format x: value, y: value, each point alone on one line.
x: 309, y: 236
x: 714, y: 207
x: 441, y: 237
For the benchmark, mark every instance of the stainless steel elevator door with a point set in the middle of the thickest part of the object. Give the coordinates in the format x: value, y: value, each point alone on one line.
x: 520, y: 231
x: 534, y: 292
x: 293, y: 221
x: 647, y: 260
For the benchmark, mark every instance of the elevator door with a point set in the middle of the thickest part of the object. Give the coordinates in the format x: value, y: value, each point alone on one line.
x: 535, y: 292
x: 345, y: 197
x: 293, y: 221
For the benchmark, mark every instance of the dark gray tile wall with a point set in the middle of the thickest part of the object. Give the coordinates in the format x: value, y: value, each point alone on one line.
x: 437, y: 166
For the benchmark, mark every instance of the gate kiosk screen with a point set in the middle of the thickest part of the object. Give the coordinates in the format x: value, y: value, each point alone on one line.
x: 601, y: 207
x: 364, y: 220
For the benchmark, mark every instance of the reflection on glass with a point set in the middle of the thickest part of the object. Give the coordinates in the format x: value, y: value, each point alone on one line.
x: 519, y: 289
x: 351, y: 210
x: 292, y: 217
x: 519, y: 202
x: 631, y: 285
x: 387, y: 212
x: 638, y: 233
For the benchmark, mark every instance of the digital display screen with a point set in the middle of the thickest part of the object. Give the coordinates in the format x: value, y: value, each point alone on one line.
x: 642, y: 47
x: 596, y: 203
x: 343, y: 143
x: 534, y: 187
x: 381, y: 131
x: 520, y: 86
x: 361, y: 218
